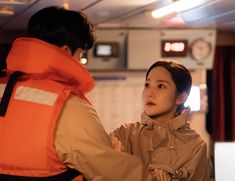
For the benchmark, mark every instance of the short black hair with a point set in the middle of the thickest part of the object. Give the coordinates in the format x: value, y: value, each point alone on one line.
x: 59, y: 27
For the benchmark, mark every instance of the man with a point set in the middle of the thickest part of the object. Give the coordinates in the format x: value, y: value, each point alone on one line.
x: 48, y: 128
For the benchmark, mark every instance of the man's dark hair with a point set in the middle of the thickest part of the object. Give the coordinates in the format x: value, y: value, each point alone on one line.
x: 60, y: 27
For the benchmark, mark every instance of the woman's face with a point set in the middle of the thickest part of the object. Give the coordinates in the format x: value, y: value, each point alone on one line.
x: 159, y: 94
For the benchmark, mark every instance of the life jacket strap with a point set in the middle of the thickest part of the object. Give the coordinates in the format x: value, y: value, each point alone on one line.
x: 8, y: 91
x: 65, y: 176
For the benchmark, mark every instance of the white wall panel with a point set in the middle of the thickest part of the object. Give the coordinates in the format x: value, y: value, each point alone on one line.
x: 143, y: 48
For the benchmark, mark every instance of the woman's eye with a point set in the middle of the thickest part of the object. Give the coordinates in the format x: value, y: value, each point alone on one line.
x: 146, y: 85
x: 161, y: 86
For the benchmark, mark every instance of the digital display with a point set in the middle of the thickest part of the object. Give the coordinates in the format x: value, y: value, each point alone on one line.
x: 106, y: 49
x: 174, y: 48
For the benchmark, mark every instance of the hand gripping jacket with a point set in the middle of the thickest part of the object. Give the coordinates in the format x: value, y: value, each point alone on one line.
x: 47, y: 77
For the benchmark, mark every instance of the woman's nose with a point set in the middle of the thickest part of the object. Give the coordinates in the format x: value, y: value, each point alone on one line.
x: 150, y: 92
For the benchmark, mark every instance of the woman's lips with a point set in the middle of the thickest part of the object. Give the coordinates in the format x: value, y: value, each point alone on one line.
x: 150, y: 104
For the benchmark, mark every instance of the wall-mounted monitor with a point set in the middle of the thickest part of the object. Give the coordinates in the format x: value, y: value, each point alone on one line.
x: 106, y: 49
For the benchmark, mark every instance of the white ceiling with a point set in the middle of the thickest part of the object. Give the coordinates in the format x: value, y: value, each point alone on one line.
x: 219, y: 14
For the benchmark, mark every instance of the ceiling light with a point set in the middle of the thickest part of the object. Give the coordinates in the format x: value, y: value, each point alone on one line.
x: 66, y: 5
x: 6, y: 11
x: 178, y: 6
x: 175, y: 21
x: 16, y: 1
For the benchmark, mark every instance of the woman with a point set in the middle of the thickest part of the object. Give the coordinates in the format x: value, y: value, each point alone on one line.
x: 163, y: 140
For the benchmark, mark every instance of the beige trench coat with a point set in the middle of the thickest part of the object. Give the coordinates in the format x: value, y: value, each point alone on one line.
x: 82, y: 143
x: 173, y: 147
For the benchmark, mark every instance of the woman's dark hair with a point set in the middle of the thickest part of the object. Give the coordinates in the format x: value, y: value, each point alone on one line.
x: 179, y: 74
x: 60, y: 27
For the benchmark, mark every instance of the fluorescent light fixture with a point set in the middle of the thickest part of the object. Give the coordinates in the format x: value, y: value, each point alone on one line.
x: 194, y: 99
x: 6, y: 11
x: 177, y: 20
x: 16, y: 1
x: 178, y: 6
x: 66, y: 5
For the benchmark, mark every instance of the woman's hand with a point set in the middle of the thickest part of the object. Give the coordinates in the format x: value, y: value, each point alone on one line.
x: 160, y: 175
x: 117, y: 145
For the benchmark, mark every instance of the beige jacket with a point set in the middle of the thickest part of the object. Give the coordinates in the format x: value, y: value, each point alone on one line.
x: 173, y: 147
x: 82, y: 143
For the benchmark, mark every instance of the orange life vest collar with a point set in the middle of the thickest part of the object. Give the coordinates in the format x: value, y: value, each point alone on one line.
x: 41, y: 59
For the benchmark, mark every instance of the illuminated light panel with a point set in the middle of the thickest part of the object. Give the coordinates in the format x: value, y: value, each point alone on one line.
x: 66, y: 5
x: 194, y: 99
x: 179, y: 6
x: 6, y: 11
x: 16, y: 1
x: 104, y: 50
x: 175, y: 21
x: 83, y: 61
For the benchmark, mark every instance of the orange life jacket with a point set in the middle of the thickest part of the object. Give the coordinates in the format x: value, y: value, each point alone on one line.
x: 27, y: 129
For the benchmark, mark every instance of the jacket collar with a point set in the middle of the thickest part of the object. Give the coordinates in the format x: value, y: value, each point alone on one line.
x: 173, y: 124
x: 41, y: 59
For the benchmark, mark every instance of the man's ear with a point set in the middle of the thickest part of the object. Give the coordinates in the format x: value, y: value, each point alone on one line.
x: 181, y: 98
x: 67, y: 49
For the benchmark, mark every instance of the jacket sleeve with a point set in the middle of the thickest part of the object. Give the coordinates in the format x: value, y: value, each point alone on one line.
x: 199, y: 165
x: 82, y: 143
x: 119, y: 138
